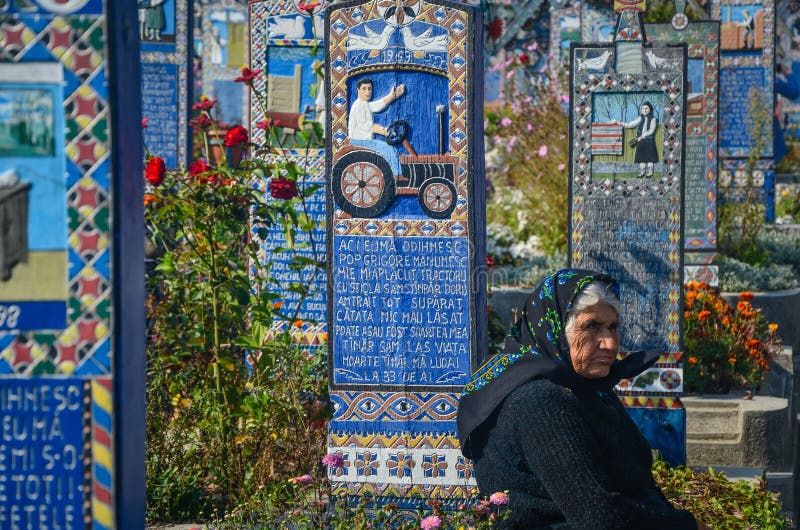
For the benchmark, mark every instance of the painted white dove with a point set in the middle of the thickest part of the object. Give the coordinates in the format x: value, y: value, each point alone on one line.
x: 424, y: 42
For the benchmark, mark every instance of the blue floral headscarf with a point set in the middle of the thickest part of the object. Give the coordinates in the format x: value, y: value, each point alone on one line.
x: 536, y: 348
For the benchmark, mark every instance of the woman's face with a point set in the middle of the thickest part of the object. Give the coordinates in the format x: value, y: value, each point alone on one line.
x: 646, y: 109
x: 594, y: 341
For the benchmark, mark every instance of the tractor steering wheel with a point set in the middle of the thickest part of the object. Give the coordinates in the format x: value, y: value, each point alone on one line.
x: 396, y: 132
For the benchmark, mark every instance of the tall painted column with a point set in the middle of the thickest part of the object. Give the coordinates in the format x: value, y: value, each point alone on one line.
x: 406, y: 236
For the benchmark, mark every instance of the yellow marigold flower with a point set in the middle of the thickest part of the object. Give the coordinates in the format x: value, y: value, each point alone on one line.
x: 773, y: 328
x: 692, y: 285
x: 746, y: 296
x: 692, y: 360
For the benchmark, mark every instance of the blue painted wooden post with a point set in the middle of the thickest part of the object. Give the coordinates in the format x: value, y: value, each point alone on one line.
x: 71, y: 166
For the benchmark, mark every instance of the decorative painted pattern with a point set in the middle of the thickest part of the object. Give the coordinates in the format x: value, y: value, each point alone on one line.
x: 393, y: 413
x: 102, y: 453
x: 402, y: 465
x: 701, y: 273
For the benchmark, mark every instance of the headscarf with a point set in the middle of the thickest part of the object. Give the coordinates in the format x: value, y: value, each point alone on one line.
x: 536, y: 348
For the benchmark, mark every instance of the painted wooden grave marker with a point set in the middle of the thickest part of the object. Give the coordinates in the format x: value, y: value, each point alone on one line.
x: 747, y: 62
x: 405, y: 235
x: 701, y: 161
x: 72, y: 267
x: 164, y: 31
x: 626, y: 203
x: 286, y: 45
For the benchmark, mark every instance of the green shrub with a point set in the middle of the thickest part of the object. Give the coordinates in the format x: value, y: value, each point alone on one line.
x: 719, y: 503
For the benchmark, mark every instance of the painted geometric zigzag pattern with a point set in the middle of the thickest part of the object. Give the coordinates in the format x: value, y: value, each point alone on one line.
x: 83, y: 347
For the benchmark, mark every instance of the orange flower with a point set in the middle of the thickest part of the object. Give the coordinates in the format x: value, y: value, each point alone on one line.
x: 732, y: 360
x: 743, y: 306
x: 298, y: 323
x: 323, y: 337
x: 692, y: 360
x: 703, y: 315
x: 773, y: 328
x: 746, y: 296
x: 692, y: 285
x: 687, y: 315
x: 726, y: 321
x: 753, y: 343
x: 149, y: 198
x: 277, y: 305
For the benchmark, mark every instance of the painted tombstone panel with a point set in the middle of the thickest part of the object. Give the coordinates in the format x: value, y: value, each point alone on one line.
x: 597, y: 23
x: 223, y: 53
x: 59, y: 186
x: 747, y: 61
x: 164, y: 31
x: 285, y: 43
x: 700, y: 162
x: 627, y: 123
x: 405, y: 221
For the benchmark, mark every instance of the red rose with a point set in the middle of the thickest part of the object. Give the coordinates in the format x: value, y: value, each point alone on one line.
x: 197, y: 167
x: 282, y: 188
x: 496, y: 28
x: 235, y: 136
x: 155, y: 170
x: 144, y: 122
x: 523, y: 58
x: 204, y: 104
x: 247, y: 75
x: 489, y: 262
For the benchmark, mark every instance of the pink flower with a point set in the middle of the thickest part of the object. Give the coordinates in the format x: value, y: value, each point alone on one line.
x: 543, y: 150
x: 303, y: 479
x: 498, y: 498
x: 529, y: 127
x: 332, y: 460
x: 505, y: 122
x: 509, y: 74
x: 430, y: 523
x: 561, y: 167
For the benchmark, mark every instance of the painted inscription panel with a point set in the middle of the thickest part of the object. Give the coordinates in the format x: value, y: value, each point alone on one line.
x: 164, y: 31
x: 700, y: 161
x: 403, y: 239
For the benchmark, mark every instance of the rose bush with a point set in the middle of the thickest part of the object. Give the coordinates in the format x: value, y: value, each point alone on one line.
x: 233, y: 405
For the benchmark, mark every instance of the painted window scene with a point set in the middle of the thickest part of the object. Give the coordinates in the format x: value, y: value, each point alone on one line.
x: 627, y: 135
x: 742, y: 27
x: 228, y: 38
x: 26, y: 123
x: 397, y: 160
x: 157, y: 21
x: 694, y: 101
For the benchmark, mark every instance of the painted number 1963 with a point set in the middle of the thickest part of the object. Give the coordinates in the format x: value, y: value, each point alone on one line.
x: 9, y: 316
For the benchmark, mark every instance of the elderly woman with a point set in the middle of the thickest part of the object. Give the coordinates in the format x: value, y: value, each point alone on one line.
x: 541, y: 421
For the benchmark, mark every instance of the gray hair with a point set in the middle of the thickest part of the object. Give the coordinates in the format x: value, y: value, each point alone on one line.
x: 594, y: 293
